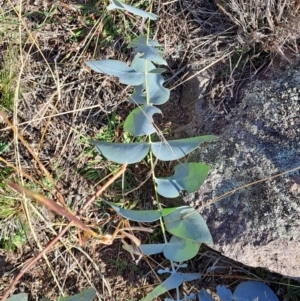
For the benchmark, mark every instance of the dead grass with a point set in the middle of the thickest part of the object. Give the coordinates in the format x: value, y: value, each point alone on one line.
x: 58, y: 104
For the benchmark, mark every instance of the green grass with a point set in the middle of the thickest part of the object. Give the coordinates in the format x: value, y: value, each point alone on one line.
x: 113, y: 26
x: 12, y: 230
x: 122, y: 265
x: 8, y: 76
x: 9, y: 63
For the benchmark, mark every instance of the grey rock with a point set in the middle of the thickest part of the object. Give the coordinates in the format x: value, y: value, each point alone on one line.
x: 258, y: 225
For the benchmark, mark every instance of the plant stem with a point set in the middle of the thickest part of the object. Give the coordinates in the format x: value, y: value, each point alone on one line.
x: 156, y: 194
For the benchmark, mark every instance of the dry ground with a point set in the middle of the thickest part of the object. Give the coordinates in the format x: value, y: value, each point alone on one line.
x: 57, y: 104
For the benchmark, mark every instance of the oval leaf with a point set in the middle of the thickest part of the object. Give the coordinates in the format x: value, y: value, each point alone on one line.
x: 252, y: 291
x: 140, y: 122
x: 204, y: 296
x: 123, y: 153
x: 190, y: 276
x: 176, y: 149
x: 148, y: 48
x: 167, y: 211
x: 224, y: 293
x: 126, y: 74
x: 172, y: 282
x: 18, y: 297
x: 137, y: 215
x: 114, y: 4
x: 187, y: 176
x: 150, y: 249
x: 157, y: 93
x: 86, y: 295
x: 187, y: 223
x: 179, y: 249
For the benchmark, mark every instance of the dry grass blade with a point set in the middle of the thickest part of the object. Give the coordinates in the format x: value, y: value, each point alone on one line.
x: 14, y: 129
x: 65, y: 229
x: 50, y: 204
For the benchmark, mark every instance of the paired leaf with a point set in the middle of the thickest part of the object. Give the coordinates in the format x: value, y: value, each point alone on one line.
x: 253, y: 290
x: 137, y: 215
x: 224, y: 293
x: 187, y: 176
x: 148, y: 48
x: 114, y: 4
x: 150, y: 249
x: 140, y: 122
x: 126, y: 74
x: 18, y: 297
x: 173, y: 281
x: 205, y: 296
x: 86, y: 295
x: 167, y: 211
x: 187, y: 223
x: 246, y: 291
x: 176, y: 149
x: 177, y: 249
x: 190, y: 276
x: 157, y: 94
x: 123, y: 153
x: 128, y: 153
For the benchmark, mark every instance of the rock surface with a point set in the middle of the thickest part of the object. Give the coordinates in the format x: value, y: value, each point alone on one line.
x: 258, y: 225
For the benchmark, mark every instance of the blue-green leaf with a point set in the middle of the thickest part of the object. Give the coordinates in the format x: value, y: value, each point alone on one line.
x: 179, y: 249
x: 137, y: 215
x: 126, y: 74
x: 157, y: 70
x: 157, y: 94
x: 224, y: 293
x: 123, y: 153
x: 148, y: 49
x: 190, y: 276
x: 173, y: 281
x: 205, y: 296
x: 114, y: 4
x: 140, y: 122
x: 167, y: 211
x: 18, y: 297
x: 252, y: 291
x: 86, y: 295
x: 149, y: 249
x: 176, y: 149
x: 187, y: 223
x: 187, y: 176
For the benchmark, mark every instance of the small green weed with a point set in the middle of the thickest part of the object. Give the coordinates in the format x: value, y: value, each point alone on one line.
x: 12, y: 231
x: 8, y: 74
x: 121, y: 266
x: 4, y: 146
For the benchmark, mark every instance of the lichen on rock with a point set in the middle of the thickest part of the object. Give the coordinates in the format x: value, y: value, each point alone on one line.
x: 258, y: 225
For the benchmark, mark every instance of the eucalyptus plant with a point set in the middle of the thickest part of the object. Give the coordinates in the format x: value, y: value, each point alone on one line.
x: 186, y: 227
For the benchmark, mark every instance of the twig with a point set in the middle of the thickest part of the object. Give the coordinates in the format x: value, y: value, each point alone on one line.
x: 53, y: 241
